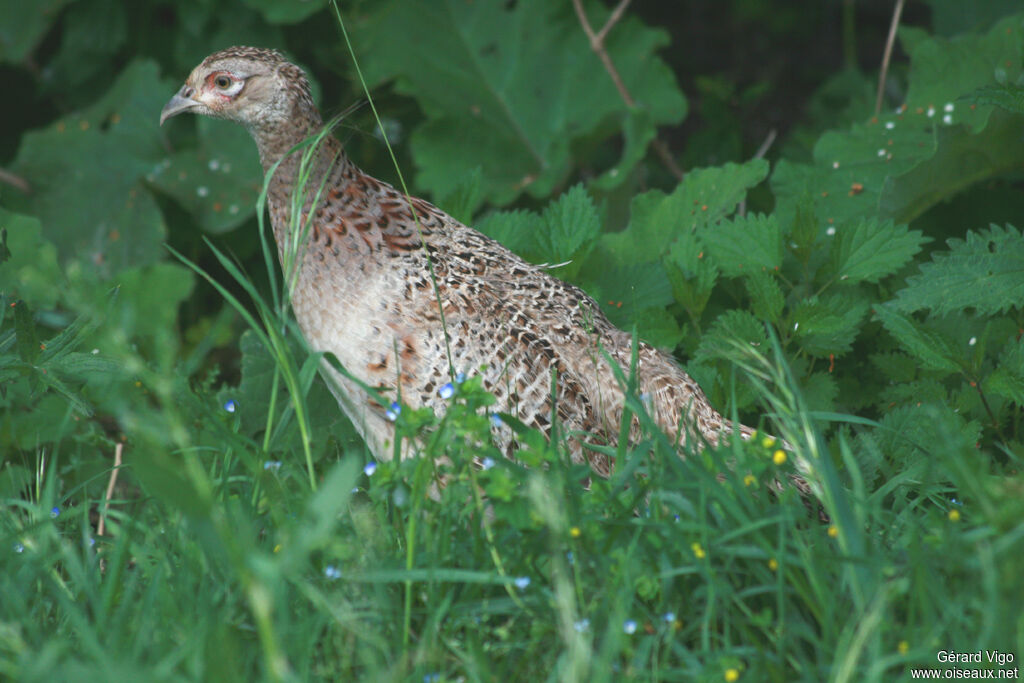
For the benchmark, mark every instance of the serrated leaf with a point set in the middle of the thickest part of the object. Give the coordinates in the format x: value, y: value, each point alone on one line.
x: 744, y: 244
x: 691, y: 275
x: 1008, y: 96
x: 32, y: 272
x: 934, y: 350
x: 828, y: 325
x: 984, y: 272
x: 570, y: 225
x: 511, y: 86
x: 870, y: 249
x: 766, y: 297
x: 704, y: 197
x: 517, y: 231
x: 820, y: 391
x: 624, y: 292
x: 1007, y: 379
x: 25, y: 329
x: 732, y: 326
x: 463, y: 201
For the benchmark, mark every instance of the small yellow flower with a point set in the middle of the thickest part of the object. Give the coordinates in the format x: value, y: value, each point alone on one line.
x: 753, y: 434
x: 779, y: 457
x: 277, y: 548
x: 768, y: 441
x: 833, y: 531
x: 954, y: 515
x: 575, y: 532
x: 903, y: 647
x: 749, y: 480
x: 732, y: 675
x: 698, y: 552
x: 773, y: 564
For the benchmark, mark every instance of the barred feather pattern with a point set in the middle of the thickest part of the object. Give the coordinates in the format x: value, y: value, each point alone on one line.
x: 363, y: 291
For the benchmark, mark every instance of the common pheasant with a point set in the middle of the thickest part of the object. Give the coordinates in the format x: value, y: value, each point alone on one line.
x: 363, y: 288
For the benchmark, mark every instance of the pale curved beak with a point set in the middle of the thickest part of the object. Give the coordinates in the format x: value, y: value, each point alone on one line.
x: 182, y: 101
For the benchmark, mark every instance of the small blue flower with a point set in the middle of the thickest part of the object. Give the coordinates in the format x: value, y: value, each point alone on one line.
x: 230, y: 405
x: 496, y: 420
x: 393, y: 412
x: 487, y: 463
x: 55, y: 512
x: 446, y: 391
x: 582, y: 625
x: 669, y: 617
x: 92, y: 542
x: 460, y: 378
x: 570, y: 557
x: 19, y: 548
x: 272, y: 465
x: 522, y: 582
x: 370, y: 468
x: 332, y: 572
x: 431, y: 678
x: 629, y: 627
x: 956, y: 501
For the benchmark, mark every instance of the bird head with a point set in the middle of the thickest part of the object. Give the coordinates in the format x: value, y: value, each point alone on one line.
x: 256, y: 87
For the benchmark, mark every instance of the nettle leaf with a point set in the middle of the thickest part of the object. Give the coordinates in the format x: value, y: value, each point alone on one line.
x: 870, y: 249
x: 704, y: 197
x: 744, y: 244
x: 984, y: 272
x: 1007, y: 379
x: 517, y: 230
x: 729, y: 328
x: 570, y: 226
x: 827, y: 325
x: 515, y: 103
x: 217, y: 181
x: 463, y: 201
x: 1008, y: 96
x: 31, y: 272
x: 85, y: 171
x: 902, y: 162
x: 766, y: 298
x: 935, y: 350
x: 691, y: 275
x: 625, y: 292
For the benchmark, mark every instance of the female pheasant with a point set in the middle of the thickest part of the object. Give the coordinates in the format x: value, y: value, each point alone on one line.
x: 363, y: 287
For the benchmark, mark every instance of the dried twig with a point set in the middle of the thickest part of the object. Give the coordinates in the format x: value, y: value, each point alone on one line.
x: 110, y: 488
x: 890, y: 41
x: 15, y: 180
x: 597, y: 45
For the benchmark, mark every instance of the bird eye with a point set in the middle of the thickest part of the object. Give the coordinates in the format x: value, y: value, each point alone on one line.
x: 222, y: 82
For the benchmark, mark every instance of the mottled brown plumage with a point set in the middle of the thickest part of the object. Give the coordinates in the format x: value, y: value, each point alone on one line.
x: 363, y: 290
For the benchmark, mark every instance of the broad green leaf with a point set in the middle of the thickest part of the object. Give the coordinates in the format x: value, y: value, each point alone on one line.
x: 934, y: 350
x: 85, y: 171
x: 217, y: 181
x: 878, y: 167
x: 25, y: 24
x: 289, y: 12
x: 827, y: 325
x: 511, y: 87
x: 1008, y: 96
x: 704, y: 197
x: 624, y: 292
x: 32, y: 272
x: 463, y: 201
x: 984, y: 272
x: 870, y: 249
x: 744, y: 244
